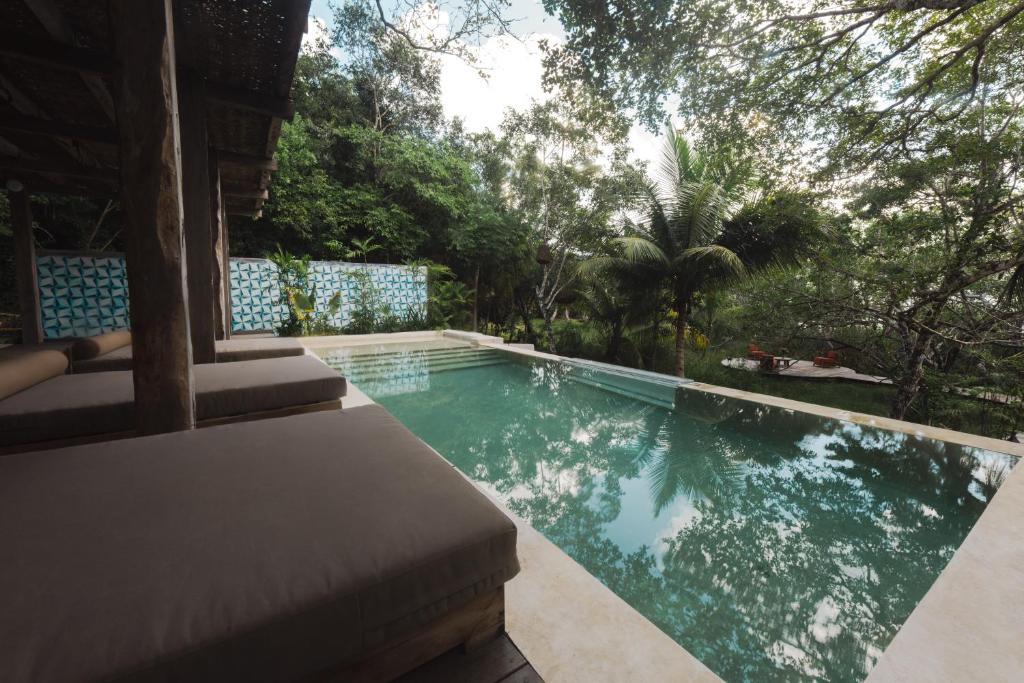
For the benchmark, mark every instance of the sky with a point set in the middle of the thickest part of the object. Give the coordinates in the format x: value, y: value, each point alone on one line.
x: 515, y: 72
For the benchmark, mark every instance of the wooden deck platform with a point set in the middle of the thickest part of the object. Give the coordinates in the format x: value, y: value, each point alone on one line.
x: 499, y: 661
x: 805, y: 369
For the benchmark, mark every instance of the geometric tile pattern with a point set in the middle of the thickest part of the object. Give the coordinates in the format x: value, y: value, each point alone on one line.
x: 82, y: 295
x: 255, y: 297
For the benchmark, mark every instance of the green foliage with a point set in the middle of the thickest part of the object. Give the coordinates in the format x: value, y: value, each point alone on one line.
x: 698, y: 238
x: 299, y: 298
x: 372, y: 313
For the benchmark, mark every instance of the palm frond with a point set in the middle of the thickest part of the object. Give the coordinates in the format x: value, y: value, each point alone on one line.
x: 721, y: 259
x: 639, y: 250
x: 697, y: 213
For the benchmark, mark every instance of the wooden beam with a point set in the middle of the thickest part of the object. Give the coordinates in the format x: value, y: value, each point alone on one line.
x: 58, y: 168
x: 226, y: 267
x: 18, y: 123
x: 53, y: 53
x: 152, y: 213
x: 296, y: 23
x: 22, y: 103
x: 244, y: 193
x: 53, y: 20
x: 71, y: 187
x: 195, y: 189
x: 246, y: 161
x: 25, y: 267
x: 217, y: 245
x: 236, y: 98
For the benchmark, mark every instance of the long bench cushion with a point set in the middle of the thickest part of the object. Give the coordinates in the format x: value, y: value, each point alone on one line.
x: 100, y: 344
x: 72, y: 406
x: 228, y: 351
x: 259, y: 551
x: 118, y: 359
x: 255, y: 348
x: 22, y: 371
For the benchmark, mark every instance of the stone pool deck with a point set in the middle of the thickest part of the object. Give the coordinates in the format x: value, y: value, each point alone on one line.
x: 968, y: 627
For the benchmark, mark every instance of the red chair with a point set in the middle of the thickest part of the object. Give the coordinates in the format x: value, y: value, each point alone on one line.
x: 755, y: 353
x: 829, y: 360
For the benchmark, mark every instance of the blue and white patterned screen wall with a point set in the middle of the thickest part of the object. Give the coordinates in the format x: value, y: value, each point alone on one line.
x: 83, y: 294
x: 255, y: 297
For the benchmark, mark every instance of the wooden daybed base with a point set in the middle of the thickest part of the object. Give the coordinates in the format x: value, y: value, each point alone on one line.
x: 470, y: 626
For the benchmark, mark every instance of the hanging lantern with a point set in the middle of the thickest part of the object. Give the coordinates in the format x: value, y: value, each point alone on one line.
x: 544, y: 254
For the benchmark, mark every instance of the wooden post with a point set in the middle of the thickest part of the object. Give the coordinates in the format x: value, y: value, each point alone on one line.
x: 25, y: 267
x: 226, y: 268
x: 151, y: 207
x: 195, y: 190
x: 217, y: 235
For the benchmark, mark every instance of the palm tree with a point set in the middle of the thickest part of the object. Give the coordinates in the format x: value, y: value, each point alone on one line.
x: 699, y: 235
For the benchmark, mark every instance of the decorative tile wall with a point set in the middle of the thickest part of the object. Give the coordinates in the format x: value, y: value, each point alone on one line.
x: 82, y: 294
x: 255, y: 296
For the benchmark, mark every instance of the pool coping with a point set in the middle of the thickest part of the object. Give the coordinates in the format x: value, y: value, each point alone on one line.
x: 966, y: 627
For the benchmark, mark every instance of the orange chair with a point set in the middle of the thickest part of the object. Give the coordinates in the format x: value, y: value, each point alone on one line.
x: 755, y: 353
x: 829, y: 360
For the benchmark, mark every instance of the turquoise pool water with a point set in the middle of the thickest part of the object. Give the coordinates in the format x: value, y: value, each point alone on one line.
x: 774, y: 546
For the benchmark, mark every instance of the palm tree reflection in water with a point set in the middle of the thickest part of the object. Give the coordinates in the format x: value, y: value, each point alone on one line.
x: 772, y: 545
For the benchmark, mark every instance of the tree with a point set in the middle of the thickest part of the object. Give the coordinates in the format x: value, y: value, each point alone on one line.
x: 934, y: 258
x: 775, y: 68
x: 698, y: 237
x: 560, y: 186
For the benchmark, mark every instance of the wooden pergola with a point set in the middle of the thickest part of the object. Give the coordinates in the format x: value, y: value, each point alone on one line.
x: 173, y: 106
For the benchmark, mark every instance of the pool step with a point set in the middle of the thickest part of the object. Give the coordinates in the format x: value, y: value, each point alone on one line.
x: 401, y: 368
x: 415, y: 357
x: 383, y: 373
x: 445, y: 350
x: 662, y: 395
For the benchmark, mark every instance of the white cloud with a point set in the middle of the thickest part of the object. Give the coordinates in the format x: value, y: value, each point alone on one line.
x: 317, y: 30
x: 514, y: 71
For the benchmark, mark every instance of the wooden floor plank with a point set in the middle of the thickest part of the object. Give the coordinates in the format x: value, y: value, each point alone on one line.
x: 496, y: 662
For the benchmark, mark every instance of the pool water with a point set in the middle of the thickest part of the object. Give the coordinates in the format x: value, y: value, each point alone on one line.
x: 772, y: 545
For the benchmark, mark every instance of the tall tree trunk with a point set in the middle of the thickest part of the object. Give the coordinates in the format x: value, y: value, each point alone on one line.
x: 909, y: 383
x: 549, y: 330
x: 476, y: 299
x: 524, y: 313
x: 614, y: 343
x: 681, y: 319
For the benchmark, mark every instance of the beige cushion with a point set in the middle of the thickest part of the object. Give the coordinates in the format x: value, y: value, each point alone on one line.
x: 262, y: 551
x: 72, y: 406
x: 225, y: 389
x: 255, y: 348
x: 21, y: 371
x: 91, y: 347
x: 118, y: 359
x: 228, y: 351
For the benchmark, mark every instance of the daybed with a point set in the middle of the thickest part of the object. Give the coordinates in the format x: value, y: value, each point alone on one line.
x: 328, y: 546
x: 66, y: 409
x: 228, y: 351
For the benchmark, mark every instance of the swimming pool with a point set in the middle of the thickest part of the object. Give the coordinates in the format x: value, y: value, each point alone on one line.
x: 772, y: 545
